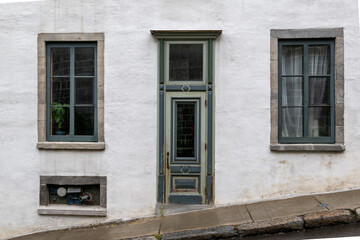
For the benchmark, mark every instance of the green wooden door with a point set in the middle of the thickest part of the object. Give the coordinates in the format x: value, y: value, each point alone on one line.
x: 185, y: 136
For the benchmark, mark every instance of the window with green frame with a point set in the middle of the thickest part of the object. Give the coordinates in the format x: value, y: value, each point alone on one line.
x: 306, y: 91
x: 71, y: 89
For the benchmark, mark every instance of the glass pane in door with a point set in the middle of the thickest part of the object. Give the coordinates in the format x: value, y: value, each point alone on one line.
x: 185, y: 129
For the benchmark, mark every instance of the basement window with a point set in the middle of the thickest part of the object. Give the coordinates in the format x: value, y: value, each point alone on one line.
x: 72, y: 195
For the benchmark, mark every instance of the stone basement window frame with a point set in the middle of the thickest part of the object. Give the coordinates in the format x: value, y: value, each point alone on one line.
x: 54, y: 209
x: 43, y: 39
x: 303, y: 34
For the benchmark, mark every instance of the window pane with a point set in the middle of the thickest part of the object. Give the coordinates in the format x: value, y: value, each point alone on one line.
x: 319, y: 122
x: 84, y: 61
x: 84, y: 90
x: 292, y: 91
x: 60, y: 119
x: 84, y: 120
x: 60, y: 90
x: 292, y: 60
x: 319, y: 59
x: 60, y: 61
x: 319, y: 91
x: 186, y: 62
x: 292, y: 122
x: 185, y: 130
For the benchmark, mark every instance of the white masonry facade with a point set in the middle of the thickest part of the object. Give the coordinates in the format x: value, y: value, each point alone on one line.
x: 255, y: 128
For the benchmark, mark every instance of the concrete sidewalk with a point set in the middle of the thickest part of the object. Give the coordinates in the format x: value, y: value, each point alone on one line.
x: 256, y: 218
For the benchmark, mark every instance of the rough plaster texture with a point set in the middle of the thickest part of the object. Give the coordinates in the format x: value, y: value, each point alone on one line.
x: 245, y: 168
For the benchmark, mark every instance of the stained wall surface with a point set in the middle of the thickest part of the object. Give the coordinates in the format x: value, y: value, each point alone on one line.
x: 245, y: 168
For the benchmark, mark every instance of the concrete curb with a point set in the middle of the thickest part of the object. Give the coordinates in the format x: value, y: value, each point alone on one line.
x: 207, y: 233
x: 286, y: 224
x: 322, y: 219
x: 271, y: 226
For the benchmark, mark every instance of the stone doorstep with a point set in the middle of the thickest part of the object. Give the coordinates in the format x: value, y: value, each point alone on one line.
x: 276, y: 225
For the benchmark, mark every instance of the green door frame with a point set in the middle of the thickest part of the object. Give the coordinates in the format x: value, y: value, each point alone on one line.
x: 207, y: 87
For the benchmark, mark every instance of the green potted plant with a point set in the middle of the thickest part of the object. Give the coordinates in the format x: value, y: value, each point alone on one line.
x: 59, y: 116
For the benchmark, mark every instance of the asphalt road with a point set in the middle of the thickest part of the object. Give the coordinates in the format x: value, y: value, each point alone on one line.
x: 350, y: 231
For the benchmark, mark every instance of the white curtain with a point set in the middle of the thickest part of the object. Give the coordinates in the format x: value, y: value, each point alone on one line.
x: 292, y: 91
x: 292, y: 64
x: 318, y: 91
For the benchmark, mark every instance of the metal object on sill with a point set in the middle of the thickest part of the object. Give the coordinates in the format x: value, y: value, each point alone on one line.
x: 53, y: 190
x: 73, y: 198
x: 86, y: 198
x: 61, y: 192
x: 74, y: 190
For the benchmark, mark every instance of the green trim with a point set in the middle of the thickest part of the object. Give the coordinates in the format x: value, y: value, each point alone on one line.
x: 166, y: 63
x: 306, y: 90
x: 186, y: 34
x: 161, y: 67
x: 306, y: 138
x: 72, y: 137
x: 210, y: 61
x: 166, y: 88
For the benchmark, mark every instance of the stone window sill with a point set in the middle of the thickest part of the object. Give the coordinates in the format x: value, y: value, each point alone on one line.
x: 307, y: 147
x: 71, y: 145
x: 61, y: 209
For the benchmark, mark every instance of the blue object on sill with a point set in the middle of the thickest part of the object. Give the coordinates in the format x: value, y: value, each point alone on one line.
x: 324, y: 205
x: 53, y: 190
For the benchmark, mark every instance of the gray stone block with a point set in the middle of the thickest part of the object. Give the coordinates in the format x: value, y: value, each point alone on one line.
x: 208, y: 233
x: 142, y: 238
x: 322, y: 219
x: 285, y: 224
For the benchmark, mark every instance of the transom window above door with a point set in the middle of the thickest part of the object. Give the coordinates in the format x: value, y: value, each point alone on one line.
x: 186, y: 61
x: 306, y: 91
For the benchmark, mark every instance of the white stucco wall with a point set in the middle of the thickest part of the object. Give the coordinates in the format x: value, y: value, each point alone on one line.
x: 245, y: 169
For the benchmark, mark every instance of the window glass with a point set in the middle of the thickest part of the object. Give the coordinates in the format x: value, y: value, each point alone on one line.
x: 84, y: 90
x: 185, y: 128
x: 60, y: 61
x: 292, y: 91
x: 84, y: 121
x: 292, y: 60
x: 319, y: 59
x: 319, y: 90
x: 186, y: 62
x: 292, y: 122
x: 72, y: 81
x: 306, y: 104
x: 319, y: 121
x: 60, y: 119
x: 84, y: 61
x: 60, y: 90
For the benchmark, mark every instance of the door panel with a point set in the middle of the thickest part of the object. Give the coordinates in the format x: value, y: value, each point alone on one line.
x: 185, y: 134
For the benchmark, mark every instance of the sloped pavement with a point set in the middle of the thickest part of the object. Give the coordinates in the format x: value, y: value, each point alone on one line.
x: 231, y: 221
